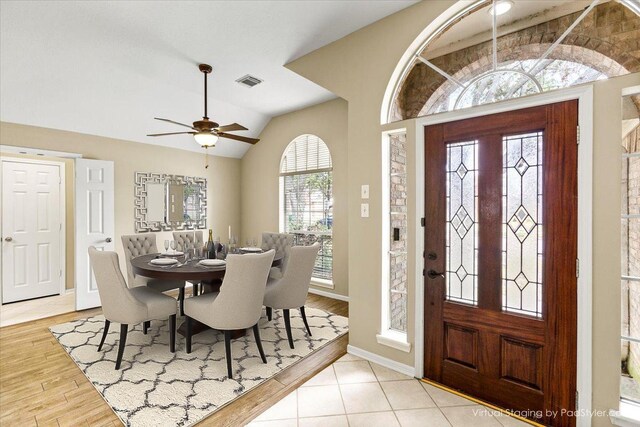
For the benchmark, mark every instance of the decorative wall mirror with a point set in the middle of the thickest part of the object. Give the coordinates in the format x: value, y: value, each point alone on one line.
x: 165, y: 202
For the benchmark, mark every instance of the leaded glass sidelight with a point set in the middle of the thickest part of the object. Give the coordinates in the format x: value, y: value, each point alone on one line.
x: 522, y: 236
x: 461, y: 226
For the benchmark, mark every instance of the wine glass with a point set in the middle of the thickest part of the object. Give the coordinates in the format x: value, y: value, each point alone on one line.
x: 172, y: 244
x: 166, y: 245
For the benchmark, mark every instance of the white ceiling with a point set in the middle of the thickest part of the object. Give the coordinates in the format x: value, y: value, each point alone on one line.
x: 107, y: 68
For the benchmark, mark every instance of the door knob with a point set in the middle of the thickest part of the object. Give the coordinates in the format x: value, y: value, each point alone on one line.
x: 108, y: 240
x: 433, y: 274
x: 8, y: 239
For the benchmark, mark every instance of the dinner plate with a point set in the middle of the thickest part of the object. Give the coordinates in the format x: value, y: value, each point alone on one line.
x: 213, y: 262
x: 251, y: 249
x: 163, y: 261
x: 171, y: 254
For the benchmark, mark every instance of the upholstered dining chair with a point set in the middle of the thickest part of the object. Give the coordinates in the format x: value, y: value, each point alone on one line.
x: 143, y: 244
x: 238, y: 305
x: 281, y: 243
x: 189, y: 238
x: 291, y: 290
x: 128, y: 306
x: 193, y: 238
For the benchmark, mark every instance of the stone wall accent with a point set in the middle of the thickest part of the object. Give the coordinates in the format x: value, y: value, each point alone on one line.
x: 631, y: 292
x: 611, y: 31
x: 398, y: 256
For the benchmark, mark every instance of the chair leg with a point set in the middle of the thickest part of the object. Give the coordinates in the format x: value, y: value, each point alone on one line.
x: 181, y: 299
x: 304, y: 319
x: 121, y: 345
x: 194, y: 289
x: 145, y: 326
x: 227, y: 349
x: 188, y: 334
x: 104, y: 333
x: 287, y: 325
x: 256, y: 335
x: 269, y: 313
x: 172, y: 333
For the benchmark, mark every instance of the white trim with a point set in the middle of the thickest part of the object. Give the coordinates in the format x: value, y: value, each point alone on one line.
x: 382, y: 361
x: 63, y: 210
x: 387, y: 336
x: 394, y: 339
x: 328, y: 294
x: 13, y: 149
x: 584, y: 95
x: 627, y: 416
x: 323, y: 283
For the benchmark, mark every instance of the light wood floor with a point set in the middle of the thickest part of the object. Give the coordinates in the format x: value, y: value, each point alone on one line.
x: 41, y: 386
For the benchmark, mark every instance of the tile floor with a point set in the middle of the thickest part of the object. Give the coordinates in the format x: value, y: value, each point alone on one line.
x: 25, y: 311
x: 354, y: 392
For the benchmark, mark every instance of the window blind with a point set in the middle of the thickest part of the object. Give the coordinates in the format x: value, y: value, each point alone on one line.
x: 306, y: 153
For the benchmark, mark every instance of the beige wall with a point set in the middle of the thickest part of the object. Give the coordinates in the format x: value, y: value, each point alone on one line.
x: 69, y: 173
x: 358, y: 68
x: 261, y: 167
x: 223, y: 175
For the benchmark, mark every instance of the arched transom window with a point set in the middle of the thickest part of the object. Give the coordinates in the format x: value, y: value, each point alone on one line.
x: 306, y: 201
x: 524, y: 48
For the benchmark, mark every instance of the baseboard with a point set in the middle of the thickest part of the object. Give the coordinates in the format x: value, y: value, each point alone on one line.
x: 383, y: 361
x: 328, y: 294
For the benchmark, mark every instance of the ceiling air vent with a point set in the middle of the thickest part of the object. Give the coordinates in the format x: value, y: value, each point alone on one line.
x: 249, y: 81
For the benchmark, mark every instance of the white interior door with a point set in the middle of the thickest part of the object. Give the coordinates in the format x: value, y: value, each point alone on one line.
x: 94, y: 224
x: 31, y: 230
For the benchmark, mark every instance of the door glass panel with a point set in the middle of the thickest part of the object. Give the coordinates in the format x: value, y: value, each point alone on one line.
x: 522, y: 236
x: 461, y: 226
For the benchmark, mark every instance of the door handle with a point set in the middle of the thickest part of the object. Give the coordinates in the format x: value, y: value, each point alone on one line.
x: 108, y: 240
x: 8, y: 239
x: 434, y: 274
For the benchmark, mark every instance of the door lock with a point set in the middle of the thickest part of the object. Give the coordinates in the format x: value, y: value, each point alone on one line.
x: 8, y: 239
x: 108, y: 240
x: 434, y: 274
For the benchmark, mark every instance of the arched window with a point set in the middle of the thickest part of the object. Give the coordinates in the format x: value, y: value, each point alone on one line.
x: 306, y: 199
x: 526, y: 48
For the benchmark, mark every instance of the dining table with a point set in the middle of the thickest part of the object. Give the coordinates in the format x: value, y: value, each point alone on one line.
x: 210, y: 278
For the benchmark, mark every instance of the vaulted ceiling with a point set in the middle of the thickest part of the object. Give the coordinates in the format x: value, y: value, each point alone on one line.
x: 107, y: 68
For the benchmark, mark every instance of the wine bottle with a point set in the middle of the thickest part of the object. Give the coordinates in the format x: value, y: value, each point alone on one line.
x: 211, y: 247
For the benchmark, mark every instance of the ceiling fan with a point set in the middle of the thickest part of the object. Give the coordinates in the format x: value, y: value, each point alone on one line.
x: 205, y: 131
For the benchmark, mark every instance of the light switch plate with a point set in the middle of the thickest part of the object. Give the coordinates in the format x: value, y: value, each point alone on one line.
x: 364, y: 210
x: 364, y: 191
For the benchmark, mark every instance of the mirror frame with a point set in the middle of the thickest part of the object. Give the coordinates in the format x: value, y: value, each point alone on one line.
x: 142, y: 179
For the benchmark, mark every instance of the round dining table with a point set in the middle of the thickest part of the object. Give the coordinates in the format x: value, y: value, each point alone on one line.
x: 190, y: 271
x: 210, y: 278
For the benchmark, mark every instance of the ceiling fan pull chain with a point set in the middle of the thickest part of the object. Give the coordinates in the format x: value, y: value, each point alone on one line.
x: 206, y: 158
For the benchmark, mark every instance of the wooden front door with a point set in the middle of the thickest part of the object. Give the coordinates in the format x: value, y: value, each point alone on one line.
x: 501, y: 258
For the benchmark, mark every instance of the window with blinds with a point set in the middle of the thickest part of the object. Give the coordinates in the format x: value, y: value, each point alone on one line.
x: 307, y: 198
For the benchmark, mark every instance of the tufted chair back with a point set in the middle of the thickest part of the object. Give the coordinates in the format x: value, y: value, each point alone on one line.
x: 136, y: 245
x: 281, y: 243
x: 194, y: 238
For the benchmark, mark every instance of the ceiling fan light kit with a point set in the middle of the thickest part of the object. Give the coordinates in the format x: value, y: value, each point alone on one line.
x: 207, y: 132
x: 206, y: 139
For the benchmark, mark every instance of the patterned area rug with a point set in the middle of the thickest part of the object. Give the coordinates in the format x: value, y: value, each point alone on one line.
x: 157, y: 388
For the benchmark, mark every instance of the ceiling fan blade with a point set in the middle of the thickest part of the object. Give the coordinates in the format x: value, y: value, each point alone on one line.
x: 232, y: 126
x: 172, y: 133
x: 175, y: 123
x: 238, y: 138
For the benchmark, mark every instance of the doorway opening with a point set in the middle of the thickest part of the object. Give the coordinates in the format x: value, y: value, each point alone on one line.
x: 35, y: 206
